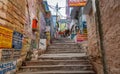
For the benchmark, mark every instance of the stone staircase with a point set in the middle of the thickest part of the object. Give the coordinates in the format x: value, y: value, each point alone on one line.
x: 62, y: 57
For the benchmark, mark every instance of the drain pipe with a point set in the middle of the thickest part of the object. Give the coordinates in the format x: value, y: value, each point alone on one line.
x: 101, y: 37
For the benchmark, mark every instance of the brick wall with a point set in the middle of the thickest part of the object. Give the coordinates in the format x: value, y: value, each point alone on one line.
x: 110, y: 18
x: 12, y: 14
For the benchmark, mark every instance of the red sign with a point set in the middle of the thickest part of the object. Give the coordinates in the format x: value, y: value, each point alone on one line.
x: 74, y: 3
x: 34, y: 24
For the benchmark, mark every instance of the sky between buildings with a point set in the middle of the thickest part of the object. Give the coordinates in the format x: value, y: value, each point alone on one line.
x: 61, y: 3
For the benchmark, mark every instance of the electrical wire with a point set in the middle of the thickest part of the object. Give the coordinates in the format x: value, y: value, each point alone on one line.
x: 54, y: 8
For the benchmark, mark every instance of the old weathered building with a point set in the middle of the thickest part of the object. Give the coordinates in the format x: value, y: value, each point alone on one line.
x: 110, y: 15
x: 14, y: 15
x: 18, y: 15
x: 103, y: 35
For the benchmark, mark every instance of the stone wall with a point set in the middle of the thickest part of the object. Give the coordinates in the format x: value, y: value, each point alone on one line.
x: 14, y: 15
x: 93, y: 43
x: 110, y: 18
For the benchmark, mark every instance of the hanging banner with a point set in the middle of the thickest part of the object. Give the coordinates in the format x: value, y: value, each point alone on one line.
x: 5, y: 37
x: 17, y: 40
x: 74, y: 3
x: 8, y: 67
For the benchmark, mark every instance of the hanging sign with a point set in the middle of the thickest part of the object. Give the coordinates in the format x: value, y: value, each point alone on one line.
x: 5, y: 37
x: 17, y: 40
x: 73, y: 3
x: 8, y: 67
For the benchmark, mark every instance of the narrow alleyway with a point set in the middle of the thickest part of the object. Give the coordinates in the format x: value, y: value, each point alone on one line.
x: 30, y: 32
x: 62, y: 57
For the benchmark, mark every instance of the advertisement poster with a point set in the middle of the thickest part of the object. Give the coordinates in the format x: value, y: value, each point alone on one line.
x: 17, y: 40
x: 5, y: 37
x: 42, y: 44
x: 81, y: 38
x: 8, y: 67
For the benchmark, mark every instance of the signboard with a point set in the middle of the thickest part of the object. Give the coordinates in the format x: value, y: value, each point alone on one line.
x: 82, y: 37
x: 17, y: 40
x: 5, y: 37
x: 34, y: 24
x: 8, y: 67
x: 73, y: 3
x: 42, y: 44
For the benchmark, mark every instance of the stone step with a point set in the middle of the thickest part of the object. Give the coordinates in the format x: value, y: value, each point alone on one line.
x: 62, y: 39
x: 57, y: 62
x: 64, y: 43
x: 64, y: 56
x: 59, y: 72
x: 56, y: 67
x: 50, y: 52
x: 63, y: 47
x: 69, y: 49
